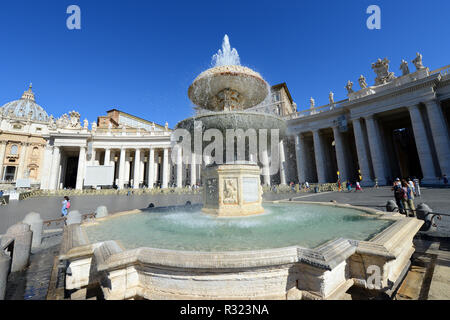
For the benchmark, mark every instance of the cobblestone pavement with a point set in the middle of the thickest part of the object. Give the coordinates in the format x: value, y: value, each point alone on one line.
x: 32, y: 283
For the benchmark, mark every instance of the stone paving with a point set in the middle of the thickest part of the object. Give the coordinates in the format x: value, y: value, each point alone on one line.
x: 33, y: 283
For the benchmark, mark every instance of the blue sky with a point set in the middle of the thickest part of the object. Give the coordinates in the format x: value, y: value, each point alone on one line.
x: 141, y: 56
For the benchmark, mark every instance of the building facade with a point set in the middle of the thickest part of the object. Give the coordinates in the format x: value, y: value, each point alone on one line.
x: 399, y: 127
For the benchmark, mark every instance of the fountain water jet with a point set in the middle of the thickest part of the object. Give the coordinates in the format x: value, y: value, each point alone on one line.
x: 231, y: 189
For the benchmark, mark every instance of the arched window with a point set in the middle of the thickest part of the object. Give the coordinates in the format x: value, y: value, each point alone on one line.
x: 14, y: 149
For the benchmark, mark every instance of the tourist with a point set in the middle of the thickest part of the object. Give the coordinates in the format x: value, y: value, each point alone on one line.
x: 65, y: 206
x: 376, y: 183
x: 399, y: 194
x: 411, y: 185
x: 408, y: 199
x: 339, y: 185
x: 1, y: 193
x: 349, y: 186
x: 306, y: 185
x: 417, y: 186
x: 444, y: 177
x: 358, y: 187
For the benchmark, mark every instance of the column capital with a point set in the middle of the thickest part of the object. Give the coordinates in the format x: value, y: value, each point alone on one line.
x: 414, y: 106
x: 370, y: 117
x: 432, y: 102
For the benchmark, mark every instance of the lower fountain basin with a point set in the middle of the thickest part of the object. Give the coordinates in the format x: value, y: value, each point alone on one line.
x: 185, y: 254
x: 281, y: 225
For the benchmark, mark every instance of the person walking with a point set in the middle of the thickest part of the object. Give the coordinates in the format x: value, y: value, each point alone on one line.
x: 65, y: 206
x: 349, y: 186
x: 411, y: 185
x: 358, y: 187
x: 408, y: 199
x: 417, y: 186
x: 445, y: 179
x: 399, y: 195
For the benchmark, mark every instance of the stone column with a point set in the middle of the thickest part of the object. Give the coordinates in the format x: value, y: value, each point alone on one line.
x: 363, y: 155
x: 121, y: 168
x: 165, y: 176
x: 56, y: 159
x: 93, y: 156
x: 340, y: 154
x: 300, y: 157
x: 22, y: 160
x: 376, y: 149
x: 282, y: 163
x: 423, y: 146
x: 2, y: 157
x: 439, y: 131
x: 318, y: 153
x: 80, y: 170
x: 193, y: 170
x: 107, y: 156
x: 179, y: 164
x: 151, y: 168
x: 137, y: 162
x: 46, y: 168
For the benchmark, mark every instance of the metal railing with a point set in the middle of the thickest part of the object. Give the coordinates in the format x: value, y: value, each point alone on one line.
x: 62, y: 220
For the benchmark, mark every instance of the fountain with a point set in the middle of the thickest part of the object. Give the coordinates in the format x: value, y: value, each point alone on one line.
x: 227, y: 89
x: 294, y: 250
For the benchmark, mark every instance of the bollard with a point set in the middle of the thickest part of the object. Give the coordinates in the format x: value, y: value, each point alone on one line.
x: 391, y: 206
x: 22, y: 236
x: 422, y: 210
x: 101, y: 212
x: 73, y: 217
x: 4, y: 270
x: 33, y: 219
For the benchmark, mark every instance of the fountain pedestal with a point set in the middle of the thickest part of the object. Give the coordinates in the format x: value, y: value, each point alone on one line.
x: 232, y: 190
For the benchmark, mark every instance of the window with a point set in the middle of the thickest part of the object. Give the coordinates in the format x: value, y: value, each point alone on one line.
x: 14, y: 149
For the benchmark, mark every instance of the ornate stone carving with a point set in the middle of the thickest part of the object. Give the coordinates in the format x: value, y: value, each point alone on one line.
x: 85, y: 124
x: 362, y: 82
x: 418, y: 62
x: 404, y: 67
x: 230, y: 191
x: 74, y: 119
x: 349, y: 87
x: 381, y: 68
x: 212, y: 192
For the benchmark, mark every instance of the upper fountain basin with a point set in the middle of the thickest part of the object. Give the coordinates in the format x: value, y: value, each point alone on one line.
x: 249, y: 87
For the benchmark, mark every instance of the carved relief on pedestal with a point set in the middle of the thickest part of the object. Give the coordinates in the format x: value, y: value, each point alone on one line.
x: 212, y: 193
x: 230, y: 192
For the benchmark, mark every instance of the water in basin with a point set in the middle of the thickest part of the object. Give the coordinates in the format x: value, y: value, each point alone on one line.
x: 281, y: 225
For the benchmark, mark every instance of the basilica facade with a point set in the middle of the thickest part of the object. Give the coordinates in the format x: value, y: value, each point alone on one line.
x: 118, y: 150
x: 397, y: 127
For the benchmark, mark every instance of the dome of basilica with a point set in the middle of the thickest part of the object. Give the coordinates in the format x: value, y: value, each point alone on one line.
x: 25, y: 107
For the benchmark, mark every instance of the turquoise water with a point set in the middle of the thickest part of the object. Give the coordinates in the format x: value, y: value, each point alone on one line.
x: 281, y: 225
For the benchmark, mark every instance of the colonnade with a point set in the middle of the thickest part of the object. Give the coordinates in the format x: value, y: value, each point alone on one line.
x: 370, y: 146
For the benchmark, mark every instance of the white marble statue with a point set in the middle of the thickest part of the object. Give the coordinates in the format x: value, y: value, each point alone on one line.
x: 404, y: 67
x: 362, y: 82
x: 166, y: 126
x: 418, y: 62
x: 85, y: 124
x: 349, y: 87
x: 331, y: 97
x: 381, y: 69
x: 94, y: 126
x: 312, y: 103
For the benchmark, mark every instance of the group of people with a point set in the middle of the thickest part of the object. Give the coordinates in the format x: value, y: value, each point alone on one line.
x: 349, y: 186
x: 404, y: 193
